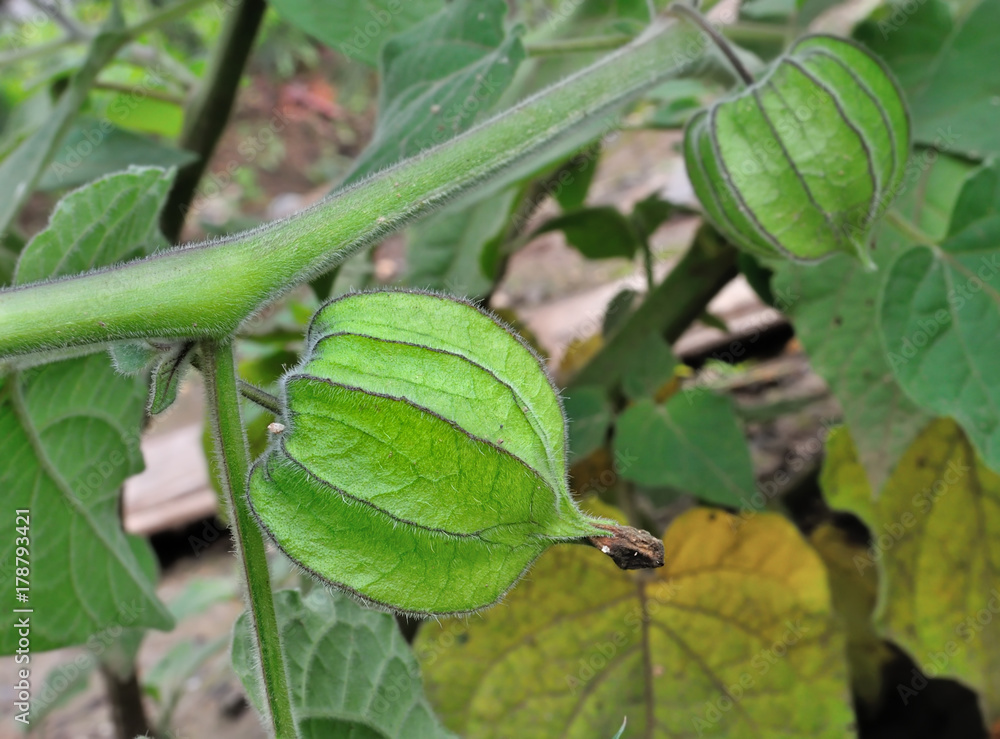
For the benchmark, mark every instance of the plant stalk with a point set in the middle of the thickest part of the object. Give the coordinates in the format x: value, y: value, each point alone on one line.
x: 578, y: 45
x: 208, y: 112
x: 128, y: 715
x: 668, y: 310
x: 721, y: 43
x: 261, y: 397
x: 647, y: 266
x: 219, y: 369
x: 209, y: 289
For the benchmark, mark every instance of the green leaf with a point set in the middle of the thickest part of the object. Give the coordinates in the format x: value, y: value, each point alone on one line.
x: 438, y: 78
x: 167, y: 376
x: 835, y: 314
x: 444, y: 251
x: 692, y: 442
x: 618, y: 311
x: 650, y: 370
x: 114, y: 647
x: 133, y: 357
x: 936, y: 541
x: 947, y: 70
x: 108, y: 221
x: 572, y: 193
x: 732, y: 638
x: 357, y: 29
x: 649, y: 214
x: 120, y: 647
x: 200, y: 593
x: 940, y: 315
x: 590, y: 414
x: 422, y: 466
x: 803, y: 162
x: 94, y: 148
x: 60, y: 685
x: 350, y: 672
x: 70, y: 433
x: 164, y: 681
x: 146, y: 115
x: 600, y: 232
x: 8, y: 263
x: 21, y: 170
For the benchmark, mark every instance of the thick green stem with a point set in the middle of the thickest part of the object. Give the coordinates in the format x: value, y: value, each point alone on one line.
x: 219, y: 369
x: 208, y: 112
x: 209, y: 289
x: 578, y: 45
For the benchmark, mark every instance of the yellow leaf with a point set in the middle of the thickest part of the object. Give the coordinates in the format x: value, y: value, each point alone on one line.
x: 733, y: 638
x: 936, y: 541
x: 855, y: 593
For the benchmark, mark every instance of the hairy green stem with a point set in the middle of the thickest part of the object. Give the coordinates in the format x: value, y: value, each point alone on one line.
x: 141, y: 55
x: 209, y: 289
x: 261, y: 397
x: 208, y: 111
x: 578, y: 45
x: 226, y: 423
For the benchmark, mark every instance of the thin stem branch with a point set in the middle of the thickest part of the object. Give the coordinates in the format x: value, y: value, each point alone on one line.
x: 578, y: 45
x: 226, y: 423
x: 708, y: 265
x: 152, y: 94
x: 209, y: 109
x: 647, y: 263
x: 261, y: 397
x: 16, y: 56
x: 745, y: 31
x: 170, y: 13
x: 86, y: 35
x: 909, y: 229
x: 681, y: 10
x: 143, y: 55
x: 72, y: 28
